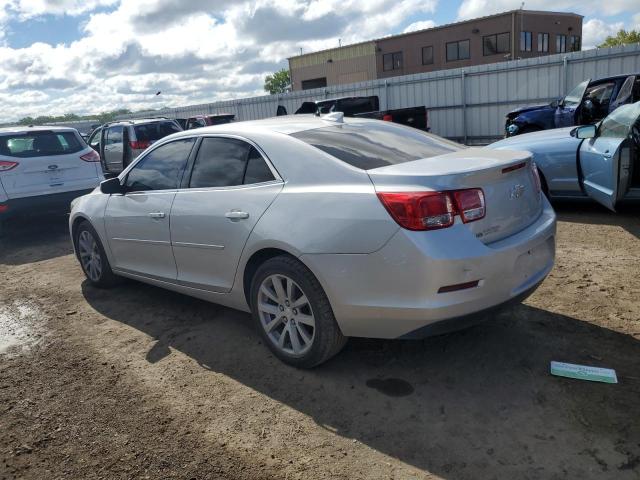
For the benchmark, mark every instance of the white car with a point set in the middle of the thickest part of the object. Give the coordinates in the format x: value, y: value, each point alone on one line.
x: 43, y: 168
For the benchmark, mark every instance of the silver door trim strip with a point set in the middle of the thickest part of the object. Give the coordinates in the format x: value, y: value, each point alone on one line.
x: 136, y: 240
x: 197, y: 245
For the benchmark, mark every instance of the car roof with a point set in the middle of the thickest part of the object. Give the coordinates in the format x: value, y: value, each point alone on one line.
x: 138, y: 121
x: 613, y: 77
x: 33, y: 128
x: 287, y: 124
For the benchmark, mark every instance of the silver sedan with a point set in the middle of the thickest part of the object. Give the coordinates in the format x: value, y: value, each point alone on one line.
x: 323, y: 228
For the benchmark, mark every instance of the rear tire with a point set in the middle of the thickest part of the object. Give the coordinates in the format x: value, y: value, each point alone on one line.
x: 93, y: 258
x: 293, y: 314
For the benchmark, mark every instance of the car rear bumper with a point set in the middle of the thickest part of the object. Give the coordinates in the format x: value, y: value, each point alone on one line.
x: 40, y: 204
x: 398, y: 289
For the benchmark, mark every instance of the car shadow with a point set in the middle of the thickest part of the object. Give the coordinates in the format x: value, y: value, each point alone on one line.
x: 32, y: 239
x: 587, y: 211
x: 479, y: 403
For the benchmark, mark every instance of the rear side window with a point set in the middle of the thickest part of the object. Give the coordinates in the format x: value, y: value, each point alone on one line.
x: 161, y: 169
x: 376, y: 145
x: 227, y: 162
x: 39, y: 144
x: 150, y: 132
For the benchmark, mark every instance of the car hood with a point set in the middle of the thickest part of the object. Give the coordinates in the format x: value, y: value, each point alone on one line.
x: 556, y: 140
x: 517, y: 111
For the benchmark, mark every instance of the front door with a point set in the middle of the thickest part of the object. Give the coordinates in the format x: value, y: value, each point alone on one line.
x: 606, y: 161
x: 625, y: 94
x: 137, y: 222
x: 565, y: 115
x: 229, y: 188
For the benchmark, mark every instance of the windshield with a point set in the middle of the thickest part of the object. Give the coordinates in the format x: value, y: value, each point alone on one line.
x: 619, y: 122
x: 376, y: 144
x: 574, y: 97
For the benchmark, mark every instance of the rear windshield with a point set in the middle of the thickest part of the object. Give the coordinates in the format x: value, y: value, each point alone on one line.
x: 40, y: 144
x: 150, y: 132
x: 376, y: 145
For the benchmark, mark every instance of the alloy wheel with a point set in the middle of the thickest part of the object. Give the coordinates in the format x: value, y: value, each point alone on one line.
x: 286, y: 315
x: 90, y: 257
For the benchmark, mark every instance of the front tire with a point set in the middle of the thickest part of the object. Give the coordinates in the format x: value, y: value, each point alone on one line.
x: 93, y: 258
x: 293, y: 314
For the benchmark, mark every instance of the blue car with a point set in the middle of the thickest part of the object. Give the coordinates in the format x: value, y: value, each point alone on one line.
x: 601, y: 161
x: 589, y: 102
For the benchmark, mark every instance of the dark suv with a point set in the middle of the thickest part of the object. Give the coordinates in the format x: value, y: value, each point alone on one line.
x: 589, y: 102
x: 122, y: 141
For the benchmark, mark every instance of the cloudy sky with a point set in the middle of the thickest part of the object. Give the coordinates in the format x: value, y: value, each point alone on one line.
x: 86, y: 56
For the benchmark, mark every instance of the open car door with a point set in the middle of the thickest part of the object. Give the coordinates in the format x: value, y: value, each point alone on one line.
x: 606, y: 161
x: 565, y: 114
x: 625, y: 94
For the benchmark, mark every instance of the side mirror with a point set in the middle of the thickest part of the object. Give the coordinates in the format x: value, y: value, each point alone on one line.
x: 112, y: 185
x: 585, y: 131
x: 554, y: 104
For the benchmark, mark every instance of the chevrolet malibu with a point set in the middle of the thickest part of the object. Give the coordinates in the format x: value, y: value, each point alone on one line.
x: 323, y: 228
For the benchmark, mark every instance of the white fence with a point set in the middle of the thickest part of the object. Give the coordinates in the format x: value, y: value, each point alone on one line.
x: 466, y: 104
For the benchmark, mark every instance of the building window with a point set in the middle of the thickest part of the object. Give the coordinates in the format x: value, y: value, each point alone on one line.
x: 458, y: 50
x: 561, y: 43
x: 543, y: 42
x: 499, y: 43
x: 574, y: 43
x: 427, y: 55
x: 525, y: 41
x: 314, y: 83
x: 392, y: 61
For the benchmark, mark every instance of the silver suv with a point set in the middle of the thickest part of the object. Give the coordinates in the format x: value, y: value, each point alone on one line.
x: 122, y: 141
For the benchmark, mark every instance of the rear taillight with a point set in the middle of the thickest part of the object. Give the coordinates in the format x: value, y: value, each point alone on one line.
x: 387, y: 118
x: 536, y: 176
x: 6, y: 165
x: 92, y: 156
x: 3, y: 207
x: 139, y: 145
x: 433, y: 210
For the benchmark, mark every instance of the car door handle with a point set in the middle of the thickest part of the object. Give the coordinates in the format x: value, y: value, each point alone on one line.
x: 607, y: 154
x: 156, y: 214
x: 236, y: 215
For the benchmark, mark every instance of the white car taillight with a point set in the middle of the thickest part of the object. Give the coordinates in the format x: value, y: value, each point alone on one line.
x: 6, y: 165
x: 92, y: 156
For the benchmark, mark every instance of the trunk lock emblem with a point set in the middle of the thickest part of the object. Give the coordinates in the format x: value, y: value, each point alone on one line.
x: 516, y: 191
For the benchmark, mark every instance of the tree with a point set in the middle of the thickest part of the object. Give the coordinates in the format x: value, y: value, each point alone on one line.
x: 279, y: 82
x: 623, y: 37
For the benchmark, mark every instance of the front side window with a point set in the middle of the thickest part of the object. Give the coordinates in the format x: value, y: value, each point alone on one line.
x: 498, y: 43
x: 376, y: 146
x: 161, y: 168
x: 619, y: 122
x: 39, y: 144
x: 525, y: 41
x: 94, y: 141
x: 228, y: 162
x: 114, y: 135
x: 457, y: 50
x: 427, y: 55
x: 392, y: 61
x: 561, y: 43
x: 574, y: 97
x: 543, y: 42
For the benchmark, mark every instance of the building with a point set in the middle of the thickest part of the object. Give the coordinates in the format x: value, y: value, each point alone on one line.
x: 504, y: 36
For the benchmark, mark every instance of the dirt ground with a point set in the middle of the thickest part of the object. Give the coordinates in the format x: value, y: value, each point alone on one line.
x: 139, y: 382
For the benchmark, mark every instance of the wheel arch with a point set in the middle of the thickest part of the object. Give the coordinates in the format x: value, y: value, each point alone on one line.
x: 74, y: 229
x: 256, y: 259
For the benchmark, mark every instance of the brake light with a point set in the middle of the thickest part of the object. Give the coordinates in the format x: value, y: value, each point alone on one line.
x: 4, y: 208
x: 387, y: 117
x: 433, y: 210
x: 92, y: 156
x: 140, y: 144
x: 536, y: 177
x: 6, y: 165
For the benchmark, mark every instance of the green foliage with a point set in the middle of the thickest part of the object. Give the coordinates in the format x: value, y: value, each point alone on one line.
x: 103, y: 117
x: 278, y: 82
x: 623, y: 37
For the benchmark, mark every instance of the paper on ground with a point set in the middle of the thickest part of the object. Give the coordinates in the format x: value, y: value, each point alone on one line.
x: 583, y: 372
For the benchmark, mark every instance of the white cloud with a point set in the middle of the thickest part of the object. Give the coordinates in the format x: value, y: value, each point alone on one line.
x: 420, y: 26
x: 479, y: 8
x: 594, y: 31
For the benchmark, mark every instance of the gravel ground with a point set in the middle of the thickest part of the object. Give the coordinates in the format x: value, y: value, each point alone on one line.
x: 138, y: 382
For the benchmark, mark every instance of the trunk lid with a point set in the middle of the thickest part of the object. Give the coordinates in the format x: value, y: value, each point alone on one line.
x: 512, y: 200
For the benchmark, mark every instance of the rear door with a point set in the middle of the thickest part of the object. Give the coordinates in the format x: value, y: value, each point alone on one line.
x: 137, y: 222
x: 606, y: 160
x: 114, y: 148
x: 229, y: 188
x: 45, y: 162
